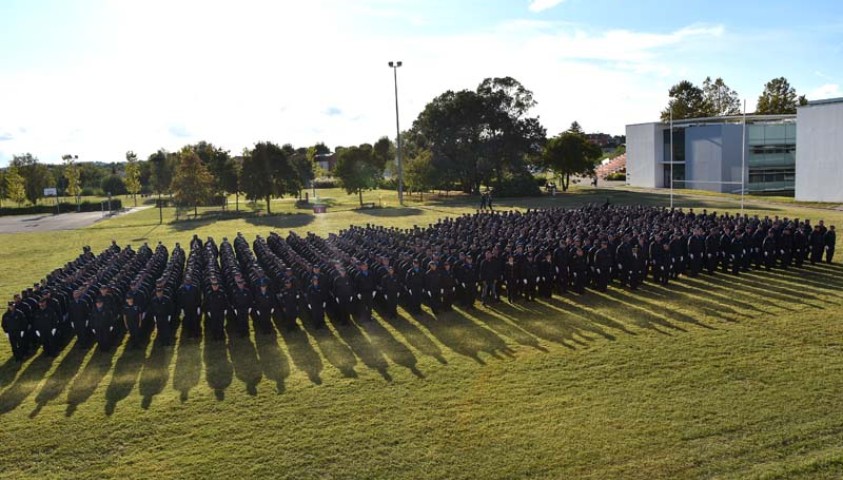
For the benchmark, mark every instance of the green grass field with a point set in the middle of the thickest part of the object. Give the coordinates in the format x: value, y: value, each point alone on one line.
x: 716, y: 377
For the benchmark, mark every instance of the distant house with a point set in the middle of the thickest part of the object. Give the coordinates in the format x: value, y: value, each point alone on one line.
x: 326, y: 161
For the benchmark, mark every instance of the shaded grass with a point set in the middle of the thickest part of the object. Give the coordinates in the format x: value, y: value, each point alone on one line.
x: 713, y: 377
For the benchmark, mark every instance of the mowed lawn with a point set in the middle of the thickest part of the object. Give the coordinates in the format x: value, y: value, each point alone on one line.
x: 715, y: 377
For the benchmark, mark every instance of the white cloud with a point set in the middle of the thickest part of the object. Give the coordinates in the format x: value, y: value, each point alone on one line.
x: 541, y: 5
x: 829, y: 90
x: 179, y: 72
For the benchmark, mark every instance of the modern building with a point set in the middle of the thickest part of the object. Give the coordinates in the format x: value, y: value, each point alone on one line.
x: 723, y: 154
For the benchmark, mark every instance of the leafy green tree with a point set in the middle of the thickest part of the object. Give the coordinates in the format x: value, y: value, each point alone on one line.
x: 358, y: 170
x: 133, y: 183
x: 15, y: 185
x: 779, y: 98
x: 113, y: 185
x: 571, y: 153
x: 420, y: 173
x: 162, y: 164
x: 267, y: 173
x: 218, y: 162
x: 36, y: 176
x: 74, y: 178
x: 192, y: 183
x: 687, y: 101
x: 304, y: 167
x: 722, y: 99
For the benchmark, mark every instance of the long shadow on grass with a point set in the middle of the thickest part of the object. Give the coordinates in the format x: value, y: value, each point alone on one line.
x: 504, y: 325
x: 415, y: 337
x: 545, y: 320
x: 9, y: 370
x: 188, y: 367
x: 25, y: 384
x: 464, y: 336
x: 302, y: 353
x: 272, y: 360
x: 126, y: 371
x: 219, y: 371
x: 353, y: 336
x: 282, y: 221
x: 156, y: 373
x: 245, y: 361
x: 88, y: 380
x: 396, y: 351
x: 60, y: 379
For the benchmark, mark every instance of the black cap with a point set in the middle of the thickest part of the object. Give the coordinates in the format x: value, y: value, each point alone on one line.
x: 11, y: 304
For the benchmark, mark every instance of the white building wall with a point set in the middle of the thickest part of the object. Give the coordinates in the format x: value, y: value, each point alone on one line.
x: 819, y: 152
x: 644, y: 155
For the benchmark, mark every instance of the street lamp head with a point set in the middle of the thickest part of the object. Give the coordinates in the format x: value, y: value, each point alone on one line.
x: 395, y: 64
x: 399, y: 64
x: 391, y: 64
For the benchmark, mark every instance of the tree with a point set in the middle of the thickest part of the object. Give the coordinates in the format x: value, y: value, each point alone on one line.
x: 358, y: 170
x: 161, y: 168
x: 15, y: 185
x: 113, y: 185
x: 305, y: 171
x: 383, y: 151
x: 687, y: 101
x: 73, y: 176
x: 722, y: 99
x: 36, y: 176
x: 218, y: 162
x: 267, y: 173
x: 192, y: 183
x: 420, y: 173
x: 133, y: 184
x: 571, y: 153
x: 779, y: 98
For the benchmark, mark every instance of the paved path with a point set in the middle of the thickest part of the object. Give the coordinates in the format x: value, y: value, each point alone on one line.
x: 48, y: 223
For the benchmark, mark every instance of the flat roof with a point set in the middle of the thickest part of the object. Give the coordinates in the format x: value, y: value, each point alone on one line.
x: 824, y: 101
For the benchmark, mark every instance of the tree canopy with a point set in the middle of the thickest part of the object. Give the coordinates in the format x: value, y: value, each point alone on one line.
x: 358, y: 169
x: 267, y: 173
x: 193, y: 183
x: 571, y: 153
x: 779, y: 97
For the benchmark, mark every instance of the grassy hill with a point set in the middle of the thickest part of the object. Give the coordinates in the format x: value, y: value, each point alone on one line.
x: 716, y: 377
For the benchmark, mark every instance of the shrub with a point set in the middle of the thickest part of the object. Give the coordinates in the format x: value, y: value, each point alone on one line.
x: 617, y: 176
x: 521, y: 185
x: 64, y: 207
x: 325, y: 182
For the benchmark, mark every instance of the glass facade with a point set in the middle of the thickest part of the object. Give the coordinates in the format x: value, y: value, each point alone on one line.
x: 771, y: 156
x: 678, y: 156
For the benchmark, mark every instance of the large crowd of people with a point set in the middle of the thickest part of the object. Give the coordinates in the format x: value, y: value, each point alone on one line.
x: 277, y: 282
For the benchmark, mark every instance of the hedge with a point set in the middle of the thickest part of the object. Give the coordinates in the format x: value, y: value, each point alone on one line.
x: 64, y: 207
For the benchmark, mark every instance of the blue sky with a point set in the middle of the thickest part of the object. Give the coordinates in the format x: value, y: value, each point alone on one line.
x: 96, y: 78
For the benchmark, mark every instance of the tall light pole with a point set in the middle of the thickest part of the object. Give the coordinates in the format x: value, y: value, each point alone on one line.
x: 394, y: 66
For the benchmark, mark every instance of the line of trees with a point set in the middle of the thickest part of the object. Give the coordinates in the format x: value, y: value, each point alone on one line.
x: 715, y: 98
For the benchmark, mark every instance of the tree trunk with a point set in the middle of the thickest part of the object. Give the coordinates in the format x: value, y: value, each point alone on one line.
x: 195, y: 211
x: 135, y: 197
x: 237, y: 201
x: 360, y: 192
x: 566, y: 180
x: 268, y: 209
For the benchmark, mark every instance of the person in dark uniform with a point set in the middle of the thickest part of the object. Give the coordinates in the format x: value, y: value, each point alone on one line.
x: 785, y: 246
x: 265, y: 304
x: 800, y: 244
x: 659, y: 254
x: 511, y: 279
x: 190, y: 305
x: 579, y: 270
x: 467, y: 277
x: 529, y: 273
x: 414, y: 281
x: 242, y: 301
x: 364, y: 284
x: 102, y: 324
x: 830, y: 239
x: 696, y: 252
x: 560, y: 265
x: 490, y: 273
x: 390, y: 292
x: 45, y: 323
x: 816, y: 243
x: 737, y: 251
x: 638, y: 267
x: 343, y: 292
x: 546, y: 275
x: 768, y: 250
x: 449, y: 284
x: 712, y: 251
x: 602, y: 266
x: 15, y: 325
x: 288, y: 301
x: 433, y: 287
x: 79, y: 312
x: 160, y: 312
x: 216, y: 309
x: 317, y: 298
x: 132, y: 321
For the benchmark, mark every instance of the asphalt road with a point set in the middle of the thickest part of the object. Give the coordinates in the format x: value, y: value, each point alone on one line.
x: 48, y: 223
